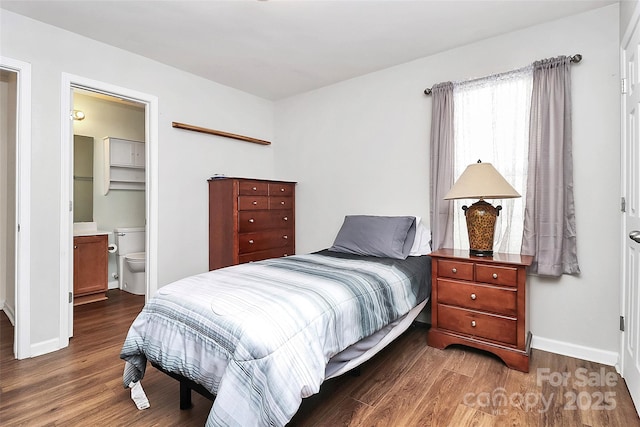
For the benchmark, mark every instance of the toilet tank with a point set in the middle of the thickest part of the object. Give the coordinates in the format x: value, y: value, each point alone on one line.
x: 129, y: 240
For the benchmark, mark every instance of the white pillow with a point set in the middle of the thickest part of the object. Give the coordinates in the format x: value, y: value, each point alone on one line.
x: 422, y: 240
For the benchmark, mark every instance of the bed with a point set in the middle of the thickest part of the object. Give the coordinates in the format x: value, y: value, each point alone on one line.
x: 262, y: 336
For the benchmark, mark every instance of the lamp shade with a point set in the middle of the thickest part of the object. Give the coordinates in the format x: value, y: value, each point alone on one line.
x: 481, y: 181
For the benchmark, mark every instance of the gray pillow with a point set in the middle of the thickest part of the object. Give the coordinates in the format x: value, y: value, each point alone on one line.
x: 380, y: 236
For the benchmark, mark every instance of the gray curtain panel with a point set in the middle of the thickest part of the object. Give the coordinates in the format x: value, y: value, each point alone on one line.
x: 441, y: 165
x: 549, y: 219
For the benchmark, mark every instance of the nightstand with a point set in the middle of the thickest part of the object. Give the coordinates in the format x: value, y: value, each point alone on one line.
x: 481, y: 302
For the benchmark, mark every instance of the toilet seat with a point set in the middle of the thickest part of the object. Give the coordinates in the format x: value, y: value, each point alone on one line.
x: 136, y: 256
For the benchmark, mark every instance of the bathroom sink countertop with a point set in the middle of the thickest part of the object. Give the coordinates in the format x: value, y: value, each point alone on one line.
x: 90, y: 233
x: 87, y: 229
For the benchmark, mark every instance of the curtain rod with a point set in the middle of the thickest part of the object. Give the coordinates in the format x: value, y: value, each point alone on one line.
x: 573, y: 58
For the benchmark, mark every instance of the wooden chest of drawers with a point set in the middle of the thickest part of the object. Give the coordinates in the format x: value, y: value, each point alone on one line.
x: 481, y: 302
x: 250, y: 220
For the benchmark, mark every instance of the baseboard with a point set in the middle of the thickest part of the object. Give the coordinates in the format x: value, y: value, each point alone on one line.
x: 45, y: 347
x: 610, y: 358
x: 113, y: 284
x: 9, y: 312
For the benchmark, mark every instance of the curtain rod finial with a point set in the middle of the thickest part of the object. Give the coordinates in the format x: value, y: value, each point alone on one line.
x: 427, y: 91
x: 576, y: 58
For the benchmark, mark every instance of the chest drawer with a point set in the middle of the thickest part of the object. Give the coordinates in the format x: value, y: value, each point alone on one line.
x: 269, y: 253
x: 262, y: 240
x: 496, y: 274
x: 478, y: 297
x: 251, y: 221
x: 455, y: 269
x: 281, y: 189
x: 280, y: 202
x: 469, y: 322
x: 246, y: 203
x: 253, y: 188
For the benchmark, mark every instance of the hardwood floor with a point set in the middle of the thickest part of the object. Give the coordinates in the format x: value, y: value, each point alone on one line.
x: 407, y: 384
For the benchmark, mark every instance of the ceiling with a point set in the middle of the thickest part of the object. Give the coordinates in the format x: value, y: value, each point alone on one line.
x: 279, y: 48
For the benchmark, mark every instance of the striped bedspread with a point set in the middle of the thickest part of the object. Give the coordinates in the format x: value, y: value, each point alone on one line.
x: 259, y: 335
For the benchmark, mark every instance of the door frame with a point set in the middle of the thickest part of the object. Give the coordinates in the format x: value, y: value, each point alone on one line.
x: 22, y: 229
x: 69, y: 83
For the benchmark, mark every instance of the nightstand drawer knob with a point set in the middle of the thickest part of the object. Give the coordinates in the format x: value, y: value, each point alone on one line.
x: 286, y: 218
x: 285, y: 237
x: 495, y: 275
x: 255, y: 202
x: 454, y: 270
x: 473, y: 296
x: 251, y: 242
x: 473, y: 323
x: 251, y: 220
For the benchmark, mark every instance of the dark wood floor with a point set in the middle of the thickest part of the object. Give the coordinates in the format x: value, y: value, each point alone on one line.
x: 408, y: 384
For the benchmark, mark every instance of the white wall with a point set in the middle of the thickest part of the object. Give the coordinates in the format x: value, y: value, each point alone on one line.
x: 186, y: 159
x: 361, y: 146
x: 627, y: 9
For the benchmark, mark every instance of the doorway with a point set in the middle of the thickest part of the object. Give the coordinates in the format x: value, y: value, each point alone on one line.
x: 101, y: 200
x: 84, y: 93
x: 15, y: 199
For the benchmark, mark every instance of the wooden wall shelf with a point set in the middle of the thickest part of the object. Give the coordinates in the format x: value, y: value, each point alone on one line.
x: 219, y: 133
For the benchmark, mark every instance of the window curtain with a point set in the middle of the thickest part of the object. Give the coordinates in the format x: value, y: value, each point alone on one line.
x: 441, y: 165
x: 549, y: 221
x: 491, y: 123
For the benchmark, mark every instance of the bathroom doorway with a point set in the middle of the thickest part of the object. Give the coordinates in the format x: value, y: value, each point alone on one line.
x: 115, y: 112
x: 100, y: 200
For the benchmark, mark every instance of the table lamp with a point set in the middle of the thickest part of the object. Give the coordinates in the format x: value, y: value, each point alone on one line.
x: 481, y: 181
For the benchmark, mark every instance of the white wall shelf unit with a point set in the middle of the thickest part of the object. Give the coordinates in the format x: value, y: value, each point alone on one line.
x: 124, y: 164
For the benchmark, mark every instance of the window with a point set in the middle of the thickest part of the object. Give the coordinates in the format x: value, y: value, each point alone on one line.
x: 491, y: 124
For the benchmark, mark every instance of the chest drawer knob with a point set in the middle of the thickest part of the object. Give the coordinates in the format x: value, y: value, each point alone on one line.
x: 254, y: 188
x: 473, y: 296
x: 251, y: 241
x: 454, y: 270
x: 285, y: 219
x: 251, y: 220
x: 283, y: 190
x: 473, y: 323
x: 282, y: 202
x: 495, y: 275
x: 255, y: 202
x: 285, y: 237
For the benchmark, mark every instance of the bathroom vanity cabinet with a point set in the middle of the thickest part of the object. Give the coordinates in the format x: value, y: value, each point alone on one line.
x: 90, y: 264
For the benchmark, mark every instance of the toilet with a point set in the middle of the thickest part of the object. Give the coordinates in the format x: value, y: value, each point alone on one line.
x: 130, y: 243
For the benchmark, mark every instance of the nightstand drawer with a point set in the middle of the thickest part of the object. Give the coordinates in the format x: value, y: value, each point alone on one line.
x: 497, y: 275
x: 478, y: 297
x: 496, y: 328
x: 455, y: 269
